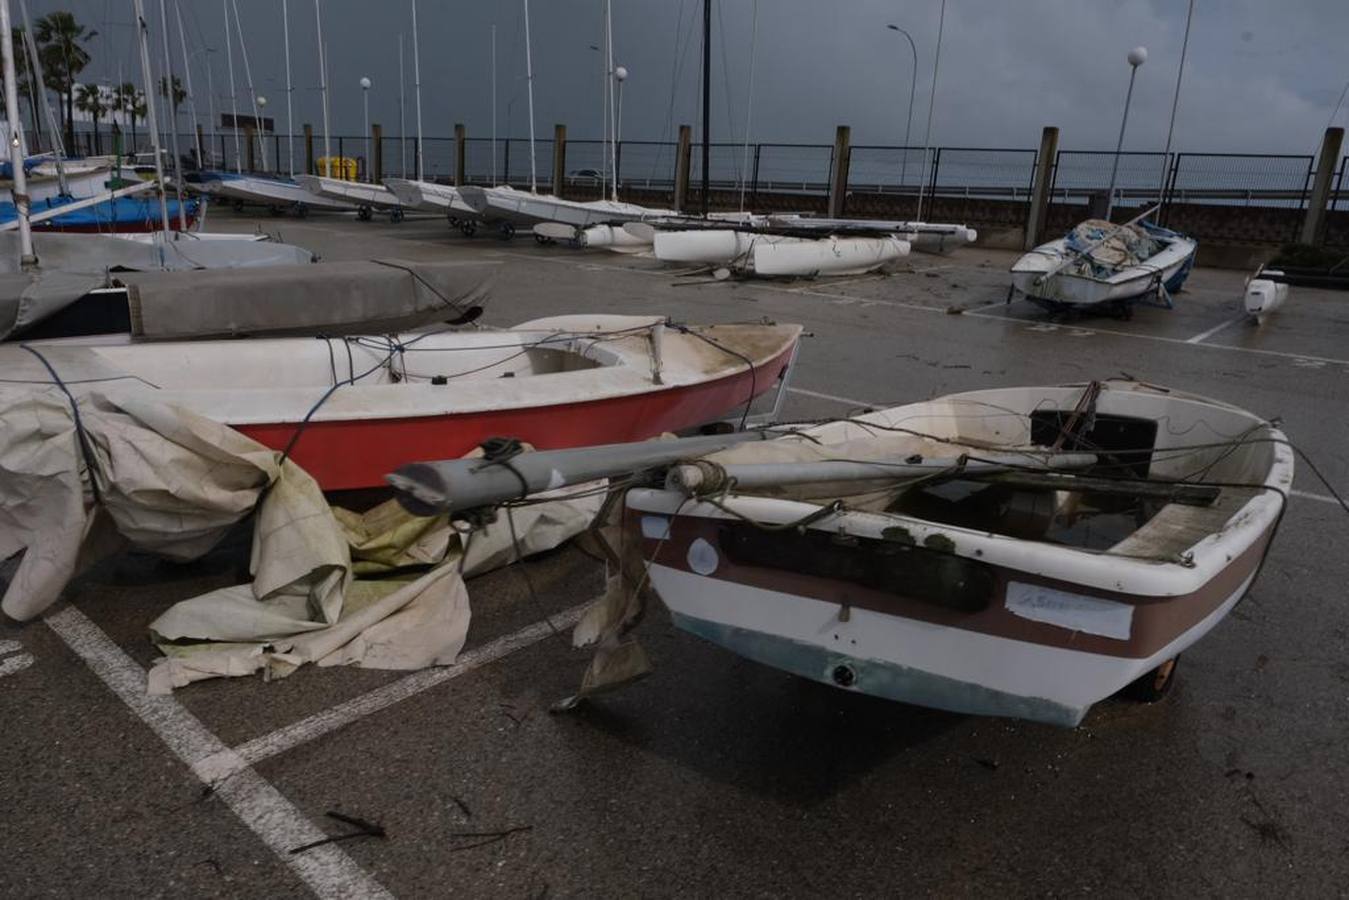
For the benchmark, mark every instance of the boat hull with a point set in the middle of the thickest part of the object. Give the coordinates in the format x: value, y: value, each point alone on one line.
x: 1168, y: 269
x: 358, y: 453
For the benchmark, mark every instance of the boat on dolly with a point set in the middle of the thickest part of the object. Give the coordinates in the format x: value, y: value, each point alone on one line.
x: 367, y: 197
x: 1099, y: 266
x: 277, y: 194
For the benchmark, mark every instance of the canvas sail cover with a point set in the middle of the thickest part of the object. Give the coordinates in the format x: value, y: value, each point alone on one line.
x: 382, y: 589
x: 1105, y: 248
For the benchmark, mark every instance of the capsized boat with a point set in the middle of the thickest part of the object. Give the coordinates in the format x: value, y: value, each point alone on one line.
x: 1012, y: 591
x: 350, y: 410
x: 367, y: 197
x: 1099, y: 264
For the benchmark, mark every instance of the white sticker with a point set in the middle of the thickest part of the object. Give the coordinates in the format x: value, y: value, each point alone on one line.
x: 703, y: 557
x: 1075, y: 612
x: 655, y: 527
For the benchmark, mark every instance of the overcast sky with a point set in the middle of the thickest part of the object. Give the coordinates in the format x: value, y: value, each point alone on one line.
x: 1261, y: 76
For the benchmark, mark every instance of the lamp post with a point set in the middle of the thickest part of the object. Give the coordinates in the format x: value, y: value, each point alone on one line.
x: 261, y: 107
x: 620, y: 76
x: 908, y: 122
x: 1137, y: 56
x: 365, y: 98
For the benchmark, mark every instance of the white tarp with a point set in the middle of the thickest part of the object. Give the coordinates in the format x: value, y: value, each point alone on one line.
x: 172, y: 482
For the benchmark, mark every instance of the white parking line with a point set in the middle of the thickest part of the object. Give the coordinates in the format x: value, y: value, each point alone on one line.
x: 1205, y: 335
x: 1308, y: 495
x: 15, y: 663
x: 326, y: 869
x: 846, y: 401
x: 344, y: 714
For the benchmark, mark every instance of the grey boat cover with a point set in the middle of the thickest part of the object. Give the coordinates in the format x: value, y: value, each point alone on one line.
x: 329, y: 298
x: 99, y: 253
x: 349, y: 297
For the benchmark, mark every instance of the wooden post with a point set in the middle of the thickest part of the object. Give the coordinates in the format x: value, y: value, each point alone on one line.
x: 377, y: 166
x: 1325, y: 173
x: 309, y: 148
x: 460, y: 152
x: 1038, y: 213
x: 838, y: 179
x: 559, y: 159
x: 251, y: 164
x: 683, y: 156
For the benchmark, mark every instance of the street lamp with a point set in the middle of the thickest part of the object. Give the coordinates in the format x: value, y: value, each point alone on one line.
x: 262, y: 147
x: 1137, y: 56
x: 365, y: 95
x: 620, y: 75
x: 908, y: 122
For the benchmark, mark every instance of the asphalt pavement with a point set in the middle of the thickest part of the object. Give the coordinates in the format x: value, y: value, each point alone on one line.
x: 716, y: 776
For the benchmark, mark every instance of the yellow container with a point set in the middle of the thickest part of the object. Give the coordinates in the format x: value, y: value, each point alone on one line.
x: 343, y: 167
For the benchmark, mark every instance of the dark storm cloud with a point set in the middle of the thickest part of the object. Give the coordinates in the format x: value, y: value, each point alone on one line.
x: 1260, y: 76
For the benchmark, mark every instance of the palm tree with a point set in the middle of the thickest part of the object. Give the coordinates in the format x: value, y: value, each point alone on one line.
x: 178, y: 96
x: 89, y: 98
x: 59, y: 36
x: 25, y: 80
x: 127, y: 99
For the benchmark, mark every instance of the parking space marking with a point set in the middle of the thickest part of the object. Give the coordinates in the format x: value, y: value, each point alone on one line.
x: 1205, y: 335
x: 11, y: 659
x: 846, y: 401
x: 326, y: 869
x: 1308, y: 495
x: 305, y: 730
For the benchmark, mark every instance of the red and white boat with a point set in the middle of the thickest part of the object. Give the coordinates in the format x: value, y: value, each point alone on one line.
x: 1022, y: 592
x: 350, y: 410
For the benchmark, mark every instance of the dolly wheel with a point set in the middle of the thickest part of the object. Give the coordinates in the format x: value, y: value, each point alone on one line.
x: 1154, y: 685
x: 396, y: 215
x: 364, y: 213
x: 543, y: 240
x: 506, y: 231
x: 238, y: 205
x: 302, y: 211
x: 468, y: 228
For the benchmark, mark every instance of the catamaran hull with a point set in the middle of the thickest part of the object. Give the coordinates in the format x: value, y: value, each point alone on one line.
x: 826, y: 256
x: 271, y: 193
x: 374, y: 196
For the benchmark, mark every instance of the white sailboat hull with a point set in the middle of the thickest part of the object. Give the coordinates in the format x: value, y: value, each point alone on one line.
x: 271, y: 192
x: 521, y: 208
x: 1034, y: 275
x: 372, y: 195
x: 426, y: 195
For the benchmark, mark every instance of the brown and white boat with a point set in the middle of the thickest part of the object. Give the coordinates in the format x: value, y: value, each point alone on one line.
x: 1006, y: 590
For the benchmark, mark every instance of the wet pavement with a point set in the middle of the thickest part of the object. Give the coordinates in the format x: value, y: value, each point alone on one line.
x: 716, y: 776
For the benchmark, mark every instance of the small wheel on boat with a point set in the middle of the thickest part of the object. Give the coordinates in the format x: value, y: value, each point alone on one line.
x: 364, y: 213
x: 237, y: 206
x: 1154, y: 685
x: 543, y: 240
x: 274, y: 211
x: 469, y: 229
x: 505, y: 231
x: 302, y: 210
x: 396, y: 214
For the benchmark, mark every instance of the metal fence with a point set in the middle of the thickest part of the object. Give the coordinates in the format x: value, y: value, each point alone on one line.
x: 992, y: 183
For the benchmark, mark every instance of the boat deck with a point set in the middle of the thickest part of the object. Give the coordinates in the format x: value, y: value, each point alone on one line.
x: 715, y: 776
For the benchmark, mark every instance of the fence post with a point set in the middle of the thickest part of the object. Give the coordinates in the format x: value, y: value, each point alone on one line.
x: 1039, y: 198
x: 506, y: 162
x: 460, y: 152
x: 683, y: 156
x: 838, y: 178
x: 559, y: 159
x: 1325, y: 172
x: 377, y: 166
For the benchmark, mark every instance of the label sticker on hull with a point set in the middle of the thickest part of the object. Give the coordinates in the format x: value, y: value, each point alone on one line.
x: 1075, y: 612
